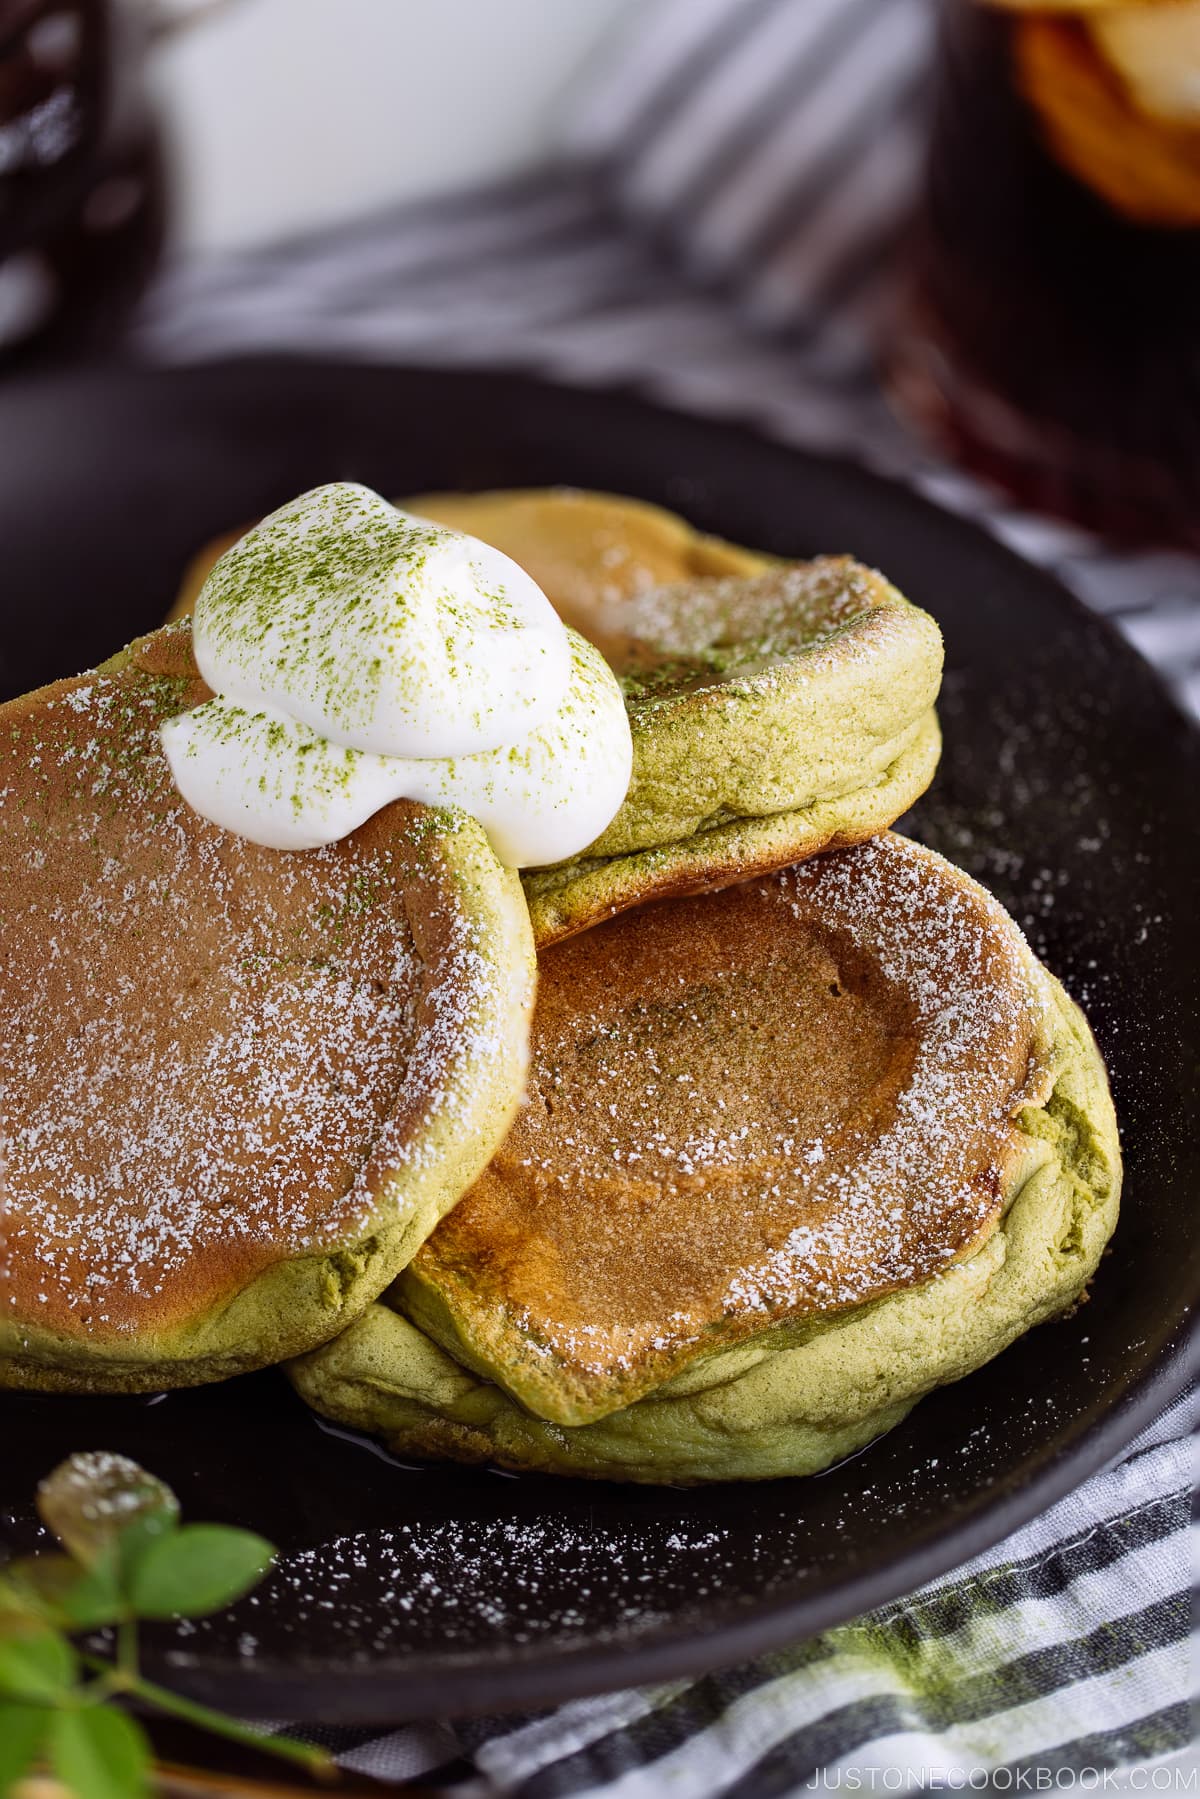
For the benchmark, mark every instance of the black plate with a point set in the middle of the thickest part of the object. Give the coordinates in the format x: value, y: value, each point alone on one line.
x: 1069, y: 785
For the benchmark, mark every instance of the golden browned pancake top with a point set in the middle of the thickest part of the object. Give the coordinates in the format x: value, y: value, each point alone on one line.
x: 211, y: 1053
x: 788, y: 1097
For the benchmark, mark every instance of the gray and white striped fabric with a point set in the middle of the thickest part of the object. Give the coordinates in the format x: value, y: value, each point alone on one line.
x: 719, y: 234
x: 773, y: 144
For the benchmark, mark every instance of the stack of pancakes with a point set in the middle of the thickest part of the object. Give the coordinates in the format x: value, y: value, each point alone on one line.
x: 806, y: 1129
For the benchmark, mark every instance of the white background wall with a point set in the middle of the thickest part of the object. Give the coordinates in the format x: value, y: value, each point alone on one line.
x: 291, y: 113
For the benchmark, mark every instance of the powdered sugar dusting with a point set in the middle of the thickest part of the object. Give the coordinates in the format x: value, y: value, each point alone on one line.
x: 801, y: 1093
x: 214, y: 1054
x: 940, y: 1161
x: 679, y: 637
x: 460, y: 1579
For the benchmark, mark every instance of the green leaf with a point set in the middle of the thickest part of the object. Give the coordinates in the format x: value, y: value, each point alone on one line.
x: 95, y: 1599
x: 38, y: 1583
x: 100, y: 1753
x: 15, y: 1616
x: 91, y: 1500
x: 201, y: 1568
x: 56, y: 1588
x: 136, y: 1537
x: 22, y: 1728
x: 40, y: 1665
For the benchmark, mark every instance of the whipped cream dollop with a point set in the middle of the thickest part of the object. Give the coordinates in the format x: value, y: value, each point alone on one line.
x: 359, y: 654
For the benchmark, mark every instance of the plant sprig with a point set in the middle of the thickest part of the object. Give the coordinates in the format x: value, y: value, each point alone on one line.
x: 125, y: 1557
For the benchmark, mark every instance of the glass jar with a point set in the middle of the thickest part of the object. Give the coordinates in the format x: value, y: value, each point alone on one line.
x: 1049, y: 331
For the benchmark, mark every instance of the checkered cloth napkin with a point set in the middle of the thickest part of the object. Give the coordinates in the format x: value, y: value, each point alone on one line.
x: 718, y: 232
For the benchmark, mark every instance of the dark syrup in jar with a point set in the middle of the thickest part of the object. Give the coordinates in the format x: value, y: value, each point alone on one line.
x: 81, y: 174
x: 1045, y: 339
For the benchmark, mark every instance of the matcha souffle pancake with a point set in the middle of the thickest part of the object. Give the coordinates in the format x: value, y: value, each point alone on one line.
x: 238, y: 1087
x: 794, y: 1153
x: 777, y: 709
x: 266, y: 1020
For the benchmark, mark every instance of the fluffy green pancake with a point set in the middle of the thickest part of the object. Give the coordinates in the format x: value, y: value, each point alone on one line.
x: 777, y: 709
x: 579, y: 894
x: 817, y: 1263
x: 238, y: 1086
